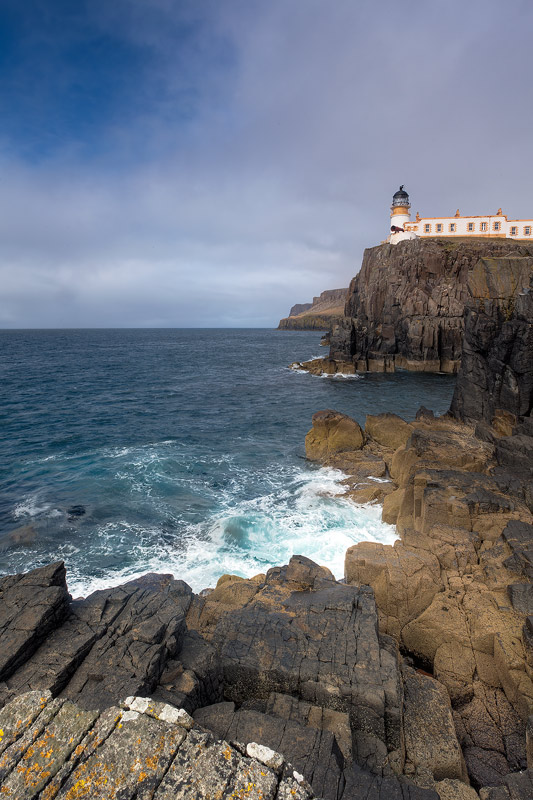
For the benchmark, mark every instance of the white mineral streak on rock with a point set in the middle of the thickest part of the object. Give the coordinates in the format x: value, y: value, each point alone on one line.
x: 176, y: 715
x: 139, y: 704
x: 128, y: 716
x: 265, y: 755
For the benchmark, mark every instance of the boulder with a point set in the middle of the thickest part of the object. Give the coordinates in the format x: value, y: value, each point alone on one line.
x: 389, y: 430
x: 332, y: 432
x: 31, y: 607
x: 24, y: 536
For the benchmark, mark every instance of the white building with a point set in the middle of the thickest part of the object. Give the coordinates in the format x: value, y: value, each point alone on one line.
x: 495, y: 226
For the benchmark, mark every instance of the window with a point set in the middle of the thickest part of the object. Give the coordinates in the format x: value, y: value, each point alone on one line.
x: 527, y: 230
x: 497, y: 226
x: 483, y: 226
x: 439, y: 227
x: 470, y: 226
x: 453, y: 227
x: 415, y: 227
x: 427, y: 228
x: 514, y: 230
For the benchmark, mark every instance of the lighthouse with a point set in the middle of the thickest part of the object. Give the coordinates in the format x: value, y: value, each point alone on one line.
x: 399, y: 217
x: 399, y: 211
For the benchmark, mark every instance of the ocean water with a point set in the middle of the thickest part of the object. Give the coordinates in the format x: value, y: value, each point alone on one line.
x: 182, y: 451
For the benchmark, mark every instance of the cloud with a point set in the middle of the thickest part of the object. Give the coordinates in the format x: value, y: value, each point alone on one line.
x: 206, y: 163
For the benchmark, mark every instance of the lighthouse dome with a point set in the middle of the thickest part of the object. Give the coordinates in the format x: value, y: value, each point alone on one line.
x: 400, y: 198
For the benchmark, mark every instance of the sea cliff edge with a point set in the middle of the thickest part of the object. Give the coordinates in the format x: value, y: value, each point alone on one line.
x: 411, y: 678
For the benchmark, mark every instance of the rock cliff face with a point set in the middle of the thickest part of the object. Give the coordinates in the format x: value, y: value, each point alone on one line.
x: 497, y: 366
x: 405, y: 308
x: 455, y: 591
x: 325, y: 310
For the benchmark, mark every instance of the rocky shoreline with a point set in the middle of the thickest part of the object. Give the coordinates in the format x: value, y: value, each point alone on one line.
x: 410, y: 679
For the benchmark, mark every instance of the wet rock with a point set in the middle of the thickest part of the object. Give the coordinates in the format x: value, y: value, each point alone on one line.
x: 75, y: 512
x: 19, y: 537
x: 424, y: 413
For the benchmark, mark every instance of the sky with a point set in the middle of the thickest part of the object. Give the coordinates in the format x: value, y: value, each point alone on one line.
x: 209, y: 163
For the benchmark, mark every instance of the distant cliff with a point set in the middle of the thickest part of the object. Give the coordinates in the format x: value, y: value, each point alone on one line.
x: 326, y: 310
x: 406, y: 306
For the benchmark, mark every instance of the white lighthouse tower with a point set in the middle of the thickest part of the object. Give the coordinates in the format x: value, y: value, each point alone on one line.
x: 399, y: 217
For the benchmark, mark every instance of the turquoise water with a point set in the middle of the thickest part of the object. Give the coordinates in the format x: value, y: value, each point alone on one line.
x: 182, y: 449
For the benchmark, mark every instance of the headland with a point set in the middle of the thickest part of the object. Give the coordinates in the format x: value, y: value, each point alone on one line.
x: 411, y: 678
x: 325, y: 311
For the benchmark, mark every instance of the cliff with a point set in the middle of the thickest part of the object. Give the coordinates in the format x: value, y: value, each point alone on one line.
x: 406, y: 306
x: 497, y: 365
x: 411, y: 679
x: 325, y: 311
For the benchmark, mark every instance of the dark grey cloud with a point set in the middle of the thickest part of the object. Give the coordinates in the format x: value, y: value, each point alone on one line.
x: 258, y: 157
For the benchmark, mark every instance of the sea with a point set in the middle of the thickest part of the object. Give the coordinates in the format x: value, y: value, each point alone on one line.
x: 179, y: 451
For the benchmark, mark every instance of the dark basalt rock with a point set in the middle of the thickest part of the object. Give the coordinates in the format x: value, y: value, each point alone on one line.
x: 497, y: 367
x: 292, y: 660
x: 96, y: 651
x: 299, y: 652
x: 405, y: 307
x: 31, y: 607
x: 76, y: 511
x: 313, y: 752
x: 519, y: 537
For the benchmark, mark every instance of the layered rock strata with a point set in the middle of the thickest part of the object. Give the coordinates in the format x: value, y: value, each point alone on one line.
x: 405, y: 307
x: 455, y: 590
x: 325, y: 311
